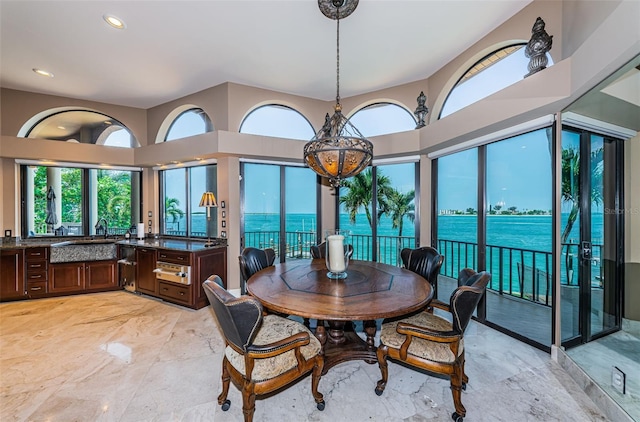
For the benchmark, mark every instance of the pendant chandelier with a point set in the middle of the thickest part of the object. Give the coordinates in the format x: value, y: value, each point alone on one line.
x: 338, y: 150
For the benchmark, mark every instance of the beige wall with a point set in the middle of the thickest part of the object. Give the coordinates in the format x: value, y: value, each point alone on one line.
x: 607, y: 31
x: 229, y: 191
x: 632, y: 229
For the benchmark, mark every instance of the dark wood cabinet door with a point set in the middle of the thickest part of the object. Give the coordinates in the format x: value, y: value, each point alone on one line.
x: 12, y: 274
x: 66, y: 277
x: 100, y: 275
x: 145, y: 277
x: 207, y: 263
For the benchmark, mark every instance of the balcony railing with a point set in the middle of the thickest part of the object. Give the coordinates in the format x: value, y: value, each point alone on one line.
x: 517, y: 272
x: 184, y: 233
x: 297, y: 243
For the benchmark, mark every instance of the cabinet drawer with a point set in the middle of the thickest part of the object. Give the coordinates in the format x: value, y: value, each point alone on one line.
x: 174, y: 257
x: 36, y: 266
x: 36, y: 253
x: 36, y: 275
x: 36, y: 287
x: 177, y: 292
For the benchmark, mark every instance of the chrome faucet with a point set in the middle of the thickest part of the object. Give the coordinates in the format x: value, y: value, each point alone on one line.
x: 100, y: 227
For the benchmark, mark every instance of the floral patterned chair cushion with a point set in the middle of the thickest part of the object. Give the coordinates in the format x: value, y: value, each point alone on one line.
x: 273, y: 329
x: 425, y: 349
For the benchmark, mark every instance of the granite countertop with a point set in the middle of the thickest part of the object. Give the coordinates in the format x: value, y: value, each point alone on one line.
x: 175, y: 244
x: 188, y: 245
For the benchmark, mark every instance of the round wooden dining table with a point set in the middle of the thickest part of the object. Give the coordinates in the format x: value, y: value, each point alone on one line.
x: 370, y: 291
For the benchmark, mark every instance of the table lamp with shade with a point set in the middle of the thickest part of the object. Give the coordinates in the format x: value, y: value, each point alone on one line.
x: 208, y: 200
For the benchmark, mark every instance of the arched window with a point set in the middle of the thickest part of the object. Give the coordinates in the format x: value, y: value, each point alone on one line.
x: 278, y: 121
x: 193, y: 121
x: 489, y: 75
x: 82, y: 126
x: 381, y: 119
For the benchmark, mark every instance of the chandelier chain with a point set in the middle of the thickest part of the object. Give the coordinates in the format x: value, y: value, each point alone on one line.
x: 338, y: 55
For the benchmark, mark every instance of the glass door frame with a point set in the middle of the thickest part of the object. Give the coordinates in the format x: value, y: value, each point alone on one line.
x: 585, y: 334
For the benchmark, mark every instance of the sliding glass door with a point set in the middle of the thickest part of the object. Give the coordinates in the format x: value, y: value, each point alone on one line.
x: 591, y: 235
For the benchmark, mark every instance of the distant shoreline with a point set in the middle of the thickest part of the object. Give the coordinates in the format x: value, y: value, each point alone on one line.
x: 495, y: 215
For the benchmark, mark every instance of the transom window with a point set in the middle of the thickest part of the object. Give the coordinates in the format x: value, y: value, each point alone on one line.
x: 278, y: 121
x: 494, y: 72
x: 83, y: 126
x: 381, y: 119
x: 194, y: 121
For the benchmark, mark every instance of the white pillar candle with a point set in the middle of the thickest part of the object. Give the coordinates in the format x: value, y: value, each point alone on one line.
x: 336, y: 253
x: 140, y: 230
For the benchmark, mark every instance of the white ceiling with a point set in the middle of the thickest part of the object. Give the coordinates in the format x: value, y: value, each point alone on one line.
x: 174, y: 48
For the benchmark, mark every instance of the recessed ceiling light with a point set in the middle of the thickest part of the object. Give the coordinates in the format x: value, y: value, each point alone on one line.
x: 61, y: 127
x: 42, y: 72
x: 114, y: 21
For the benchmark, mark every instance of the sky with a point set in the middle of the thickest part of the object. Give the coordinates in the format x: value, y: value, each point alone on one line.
x: 510, y: 166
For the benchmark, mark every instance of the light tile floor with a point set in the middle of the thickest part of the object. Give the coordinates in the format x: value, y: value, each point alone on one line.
x: 597, y: 358
x: 118, y: 356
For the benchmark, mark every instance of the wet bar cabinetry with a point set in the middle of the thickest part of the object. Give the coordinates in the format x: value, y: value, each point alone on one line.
x: 24, y: 273
x: 202, y: 262
x: 37, y: 276
x: 86, y: 266
x: 83, y: 276
x: 12, y: 274
x: 145, y: 277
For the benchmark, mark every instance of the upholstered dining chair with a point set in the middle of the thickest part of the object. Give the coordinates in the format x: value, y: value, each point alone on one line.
x: 320, y: 250
x: 253, y: 260
x: 428, y: 341
x: 425, y: 261
x: 263, y: 353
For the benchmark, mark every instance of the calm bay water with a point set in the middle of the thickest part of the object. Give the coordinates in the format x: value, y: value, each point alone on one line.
x: 526, y: 232
x: 531, y: 232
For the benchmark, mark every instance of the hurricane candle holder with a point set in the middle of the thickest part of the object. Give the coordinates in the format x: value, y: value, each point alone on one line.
x: 337, y: 253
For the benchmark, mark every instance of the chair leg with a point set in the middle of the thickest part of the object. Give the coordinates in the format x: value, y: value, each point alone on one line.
x: 456, y: 389
x: 315, y: 380
x: 222, y: 398
x: 381, y: 353
x: 465, y: 378
x: 248, y: 401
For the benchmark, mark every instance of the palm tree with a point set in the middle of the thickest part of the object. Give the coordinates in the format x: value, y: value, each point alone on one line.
x: 172, y: 208
x: 360, y: 194
x: 119, y: 211
x: 571, y: 183
x: 400, y: 205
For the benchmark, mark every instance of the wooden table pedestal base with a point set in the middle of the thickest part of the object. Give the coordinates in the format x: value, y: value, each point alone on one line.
x: 341, y: 343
